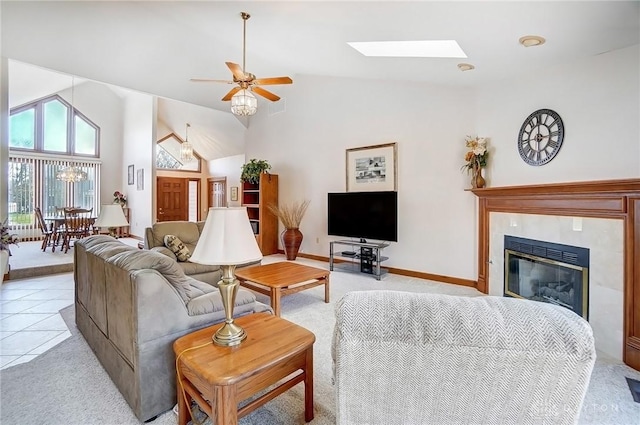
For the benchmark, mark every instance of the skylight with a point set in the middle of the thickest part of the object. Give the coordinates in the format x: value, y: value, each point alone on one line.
x: 410, y: 49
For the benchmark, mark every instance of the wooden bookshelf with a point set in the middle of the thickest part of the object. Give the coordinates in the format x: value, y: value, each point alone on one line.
x: 256, y: 198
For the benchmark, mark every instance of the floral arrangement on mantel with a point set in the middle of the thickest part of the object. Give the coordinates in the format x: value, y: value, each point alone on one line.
x: 7, y: 238
x: 119, y: 198
x: 476, y: 159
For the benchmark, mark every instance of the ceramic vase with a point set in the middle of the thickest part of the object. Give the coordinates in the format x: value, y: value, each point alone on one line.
x: 291, y: 241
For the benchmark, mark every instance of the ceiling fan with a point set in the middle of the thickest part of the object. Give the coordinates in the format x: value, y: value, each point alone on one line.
x: 247, y: 82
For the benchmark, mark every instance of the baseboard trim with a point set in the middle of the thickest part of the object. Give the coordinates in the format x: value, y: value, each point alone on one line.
x: 402, y: 272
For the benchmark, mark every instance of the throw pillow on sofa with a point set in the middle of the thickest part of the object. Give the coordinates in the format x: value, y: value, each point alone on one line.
x: 175, y: 244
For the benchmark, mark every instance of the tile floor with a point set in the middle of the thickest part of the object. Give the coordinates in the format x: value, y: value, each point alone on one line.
x: 29, y: 320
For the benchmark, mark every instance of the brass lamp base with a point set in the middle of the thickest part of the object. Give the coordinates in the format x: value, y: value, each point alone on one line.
x: 229, y: 334
x: 112, y: 232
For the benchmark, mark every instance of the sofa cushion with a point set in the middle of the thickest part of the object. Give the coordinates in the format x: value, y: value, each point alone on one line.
x: 165, y: 251
x: 187, y: 231
x: 179, y: 249
x: 212, y: 301
x: 142, y: 259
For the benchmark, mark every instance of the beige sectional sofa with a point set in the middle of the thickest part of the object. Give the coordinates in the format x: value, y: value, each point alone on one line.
x: 189, y: 233
x: 131, y: 305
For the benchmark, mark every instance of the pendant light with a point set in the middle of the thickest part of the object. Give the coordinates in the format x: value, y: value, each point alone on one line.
x: 72, y: 173
x: 186, y: 150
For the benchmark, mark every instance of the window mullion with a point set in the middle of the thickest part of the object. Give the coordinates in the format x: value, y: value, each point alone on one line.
x: 39, y: 121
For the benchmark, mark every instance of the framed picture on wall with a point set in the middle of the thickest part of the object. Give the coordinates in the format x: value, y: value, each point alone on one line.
x: 234, y: 193
x: 130, y: 175
x: 141, y: 179
x: 372, y: 168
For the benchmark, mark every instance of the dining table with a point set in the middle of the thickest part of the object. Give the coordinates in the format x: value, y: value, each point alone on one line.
x: 58, y: 222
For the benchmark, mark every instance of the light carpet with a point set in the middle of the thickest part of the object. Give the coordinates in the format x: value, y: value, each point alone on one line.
x: 67, y: 384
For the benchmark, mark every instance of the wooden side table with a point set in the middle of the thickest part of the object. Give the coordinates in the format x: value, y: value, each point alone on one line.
x: 218, y: 378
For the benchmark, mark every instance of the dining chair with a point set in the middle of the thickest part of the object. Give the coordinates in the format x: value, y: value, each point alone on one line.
x: 48, y: 231
x: 77, y: 224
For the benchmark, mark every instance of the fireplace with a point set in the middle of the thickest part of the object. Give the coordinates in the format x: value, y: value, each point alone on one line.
x: 547, y: 272
x: 615, y: 307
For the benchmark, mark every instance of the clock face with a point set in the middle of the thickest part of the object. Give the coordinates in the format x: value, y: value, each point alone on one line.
x: 540, y: 137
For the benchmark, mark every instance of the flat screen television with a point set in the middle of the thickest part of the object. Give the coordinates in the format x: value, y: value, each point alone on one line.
x: 364, y: 215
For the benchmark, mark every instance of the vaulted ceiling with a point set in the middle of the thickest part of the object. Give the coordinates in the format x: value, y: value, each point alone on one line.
x: 156, y: 47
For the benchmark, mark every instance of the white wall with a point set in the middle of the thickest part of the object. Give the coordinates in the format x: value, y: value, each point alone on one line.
x: 599, y: 102
x: 104, y: 108
x: 139, y: 136
x: 229, y: 167
x: 325, y: 116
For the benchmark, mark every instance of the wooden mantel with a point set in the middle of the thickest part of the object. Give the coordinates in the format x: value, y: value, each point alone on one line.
x: 613, y: 199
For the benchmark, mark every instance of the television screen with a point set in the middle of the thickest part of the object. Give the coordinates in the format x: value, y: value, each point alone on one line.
x: 365, y: 215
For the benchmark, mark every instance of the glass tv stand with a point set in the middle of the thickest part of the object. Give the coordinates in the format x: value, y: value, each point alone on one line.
x: 364, y: 257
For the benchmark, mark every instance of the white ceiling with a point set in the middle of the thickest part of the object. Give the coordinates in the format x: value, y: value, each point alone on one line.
x: 156, y: 47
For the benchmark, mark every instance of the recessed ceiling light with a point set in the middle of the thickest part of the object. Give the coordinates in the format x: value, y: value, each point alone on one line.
x: 531, y: 40
x: 410, y: 49
x: 465, y: 67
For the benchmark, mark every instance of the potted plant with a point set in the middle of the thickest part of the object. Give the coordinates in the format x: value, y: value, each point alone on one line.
x: 291, y: 215
x: 6, y: 239
x: 251, y: 170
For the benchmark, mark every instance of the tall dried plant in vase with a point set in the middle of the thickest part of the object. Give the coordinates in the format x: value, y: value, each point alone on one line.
x: 290, y: 215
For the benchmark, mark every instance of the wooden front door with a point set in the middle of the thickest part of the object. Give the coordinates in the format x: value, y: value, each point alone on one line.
x: 172, y: 201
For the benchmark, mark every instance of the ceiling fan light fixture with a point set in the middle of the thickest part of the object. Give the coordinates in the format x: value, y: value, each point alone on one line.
x: 244, y: 103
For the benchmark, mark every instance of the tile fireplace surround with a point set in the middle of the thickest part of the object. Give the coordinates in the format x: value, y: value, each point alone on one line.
x: 609, y: 213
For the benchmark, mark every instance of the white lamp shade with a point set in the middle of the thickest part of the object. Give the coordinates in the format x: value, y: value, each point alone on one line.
x: 111, y: 215
x: 227, y: 239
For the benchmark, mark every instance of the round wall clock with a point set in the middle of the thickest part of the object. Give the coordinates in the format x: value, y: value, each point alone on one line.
x: 540, y: 137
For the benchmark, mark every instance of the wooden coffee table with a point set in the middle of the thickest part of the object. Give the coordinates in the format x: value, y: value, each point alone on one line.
x: 218, y: 378
x: 279, y: 279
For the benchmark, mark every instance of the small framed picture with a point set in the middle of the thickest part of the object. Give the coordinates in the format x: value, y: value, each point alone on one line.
x: 130, y: 175
x: 372, y: 168
x: 140, y: 179
x: 234, y: 193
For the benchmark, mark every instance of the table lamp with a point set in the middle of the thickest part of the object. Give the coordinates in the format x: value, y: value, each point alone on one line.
x: 111, y: 216
x: 226, y: 241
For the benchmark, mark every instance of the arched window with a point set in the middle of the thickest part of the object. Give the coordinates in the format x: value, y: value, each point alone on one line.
x: 51, y: 125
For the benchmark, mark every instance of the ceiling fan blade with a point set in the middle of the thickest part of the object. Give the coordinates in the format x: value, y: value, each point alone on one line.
x: 265, y: 93
x: 273, y: 80
x: 209, y: 80
x: 236, y: 70
x: 231, y: 93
